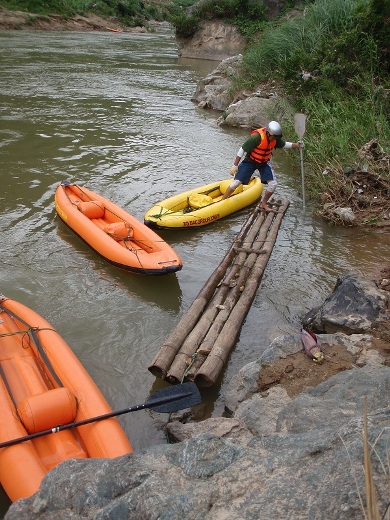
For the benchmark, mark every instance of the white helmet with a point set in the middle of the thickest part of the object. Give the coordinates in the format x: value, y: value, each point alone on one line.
x: 274, y: 128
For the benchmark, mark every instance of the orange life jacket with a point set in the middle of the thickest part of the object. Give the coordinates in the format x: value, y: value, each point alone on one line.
x: 263, y: 151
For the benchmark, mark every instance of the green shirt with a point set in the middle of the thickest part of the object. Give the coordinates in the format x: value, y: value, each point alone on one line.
x: 254, y: 140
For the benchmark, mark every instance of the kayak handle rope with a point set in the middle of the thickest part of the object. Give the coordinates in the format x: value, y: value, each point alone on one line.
x: 189, y: 364
x: 31, y: 329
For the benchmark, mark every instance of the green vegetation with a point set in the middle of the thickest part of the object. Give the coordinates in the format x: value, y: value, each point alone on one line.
x: 129, y: 12
x: 247, y: 15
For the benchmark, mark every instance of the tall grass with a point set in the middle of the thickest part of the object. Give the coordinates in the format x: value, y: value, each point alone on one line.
x: 371, y: 502
x: 302, y: 35
x: 336, y: 129
x: 370, y: 508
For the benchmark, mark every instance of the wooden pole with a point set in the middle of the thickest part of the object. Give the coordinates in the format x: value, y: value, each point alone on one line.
x: 201, y: 342
x: 259, y: 247
x: 300, y: 128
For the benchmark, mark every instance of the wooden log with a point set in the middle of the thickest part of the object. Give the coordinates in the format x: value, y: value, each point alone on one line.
x: 236, y: 294
x: 209, y: 371
x: 194, y: 339
x: 211, y: 368
x: 248, y: 250
x: 164, y: 357
x: 201, y: 330
x: 213, y: 288
x: 207, y: 344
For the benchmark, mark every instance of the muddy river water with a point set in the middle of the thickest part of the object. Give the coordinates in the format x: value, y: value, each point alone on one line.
x: 113, y: 112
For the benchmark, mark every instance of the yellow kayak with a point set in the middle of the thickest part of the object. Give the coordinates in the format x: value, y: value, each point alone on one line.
x: 202, y: 205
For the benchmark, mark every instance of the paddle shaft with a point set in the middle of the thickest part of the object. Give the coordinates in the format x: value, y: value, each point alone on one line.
x: 300, y: 126
x: 150, y: 404
x: 303, y: 177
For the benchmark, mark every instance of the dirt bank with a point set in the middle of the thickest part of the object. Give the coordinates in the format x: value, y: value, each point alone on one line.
x: 297, y: 372
x: 21, y: 20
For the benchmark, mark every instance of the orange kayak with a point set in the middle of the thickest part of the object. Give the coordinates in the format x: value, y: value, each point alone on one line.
x: 44, y: 385
x: 114, y: 234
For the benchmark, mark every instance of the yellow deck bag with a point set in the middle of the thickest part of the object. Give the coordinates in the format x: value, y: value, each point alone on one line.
x: 199, y: 200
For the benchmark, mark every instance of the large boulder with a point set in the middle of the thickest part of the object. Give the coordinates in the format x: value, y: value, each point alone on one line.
x: 245, y: 109
x: 253, y: 112
x: 311, y: 467
x: 214, y: 90
x: 357, y: 305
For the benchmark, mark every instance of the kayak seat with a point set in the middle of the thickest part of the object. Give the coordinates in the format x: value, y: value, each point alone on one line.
x: 92, y: 209
x: 119, y: 230
x: 48, y: 409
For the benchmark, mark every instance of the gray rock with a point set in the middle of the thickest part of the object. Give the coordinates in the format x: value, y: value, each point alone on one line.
x: 242, y: 386
x: 356, y: 305
x: 213, y: 91
x: 253, y: 112
x: 260, y: 413
x: 220, y: 426
x: 337, y: 400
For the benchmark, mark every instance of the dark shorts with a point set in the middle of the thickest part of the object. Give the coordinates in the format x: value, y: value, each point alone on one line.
x: 247, y: 168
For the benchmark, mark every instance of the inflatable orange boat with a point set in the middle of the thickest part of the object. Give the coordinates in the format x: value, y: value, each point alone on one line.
x: 43, y: 385
x: 114, y: 234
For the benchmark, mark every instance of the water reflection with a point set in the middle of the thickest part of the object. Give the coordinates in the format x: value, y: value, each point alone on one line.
x: 163, y: 291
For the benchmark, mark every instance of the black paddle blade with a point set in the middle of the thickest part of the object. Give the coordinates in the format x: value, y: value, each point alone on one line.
x: 174, y: 398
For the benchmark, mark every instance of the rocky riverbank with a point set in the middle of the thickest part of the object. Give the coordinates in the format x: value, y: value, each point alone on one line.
x: 290, y: 444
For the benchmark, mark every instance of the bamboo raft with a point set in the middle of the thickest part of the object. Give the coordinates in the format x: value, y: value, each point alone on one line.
x: 199, y: 346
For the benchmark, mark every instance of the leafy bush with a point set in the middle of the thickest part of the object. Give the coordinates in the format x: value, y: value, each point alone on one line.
x: 186, y: 26
x: 66, y: 8
x: 128, y: 8
x: 131, y: 12
x: 373, y: 20
x: 209, y: 9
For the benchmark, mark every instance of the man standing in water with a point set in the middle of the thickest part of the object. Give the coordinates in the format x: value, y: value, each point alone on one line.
x: 258, y: 149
